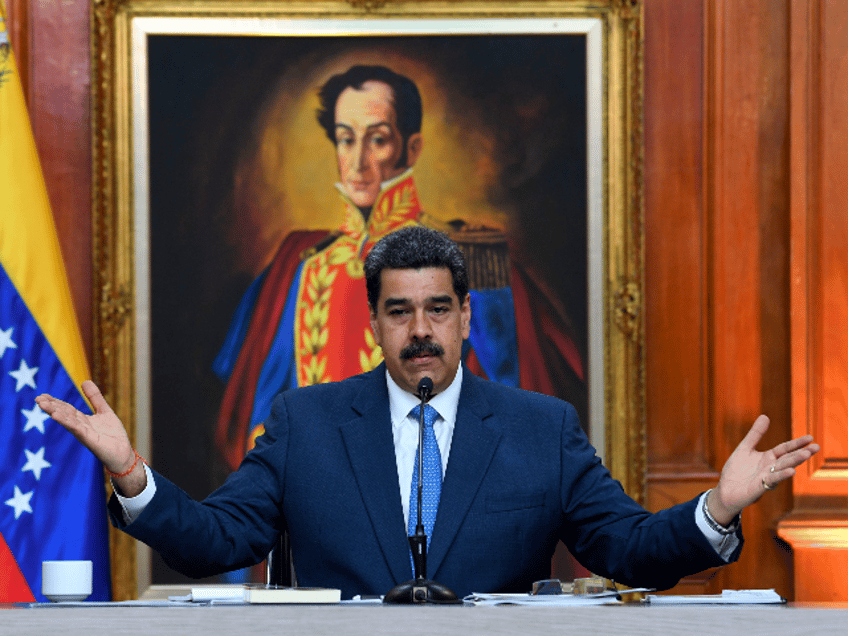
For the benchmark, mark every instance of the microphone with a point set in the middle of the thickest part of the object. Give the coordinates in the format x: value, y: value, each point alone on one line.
x: 425, y: 389
x: 418, y: 541
x: 421, y: 589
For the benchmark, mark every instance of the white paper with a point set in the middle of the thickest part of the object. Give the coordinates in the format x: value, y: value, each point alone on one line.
x: 212, y: 593
x: 727, y: 597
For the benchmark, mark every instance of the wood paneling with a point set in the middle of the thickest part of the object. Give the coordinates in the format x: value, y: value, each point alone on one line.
x: 716, y: 209
x: 54, y: 65
x: 675, y: 243
x: 820, y: 241
x: 749, y: 258
x: 817, y: 529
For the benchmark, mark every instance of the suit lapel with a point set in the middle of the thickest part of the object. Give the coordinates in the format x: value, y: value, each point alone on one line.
x: 371, y: 451
x: 472, y: 448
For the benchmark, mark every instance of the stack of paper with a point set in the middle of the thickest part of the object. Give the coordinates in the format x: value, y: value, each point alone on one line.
x: 212, y: 594
x: 550, y: 600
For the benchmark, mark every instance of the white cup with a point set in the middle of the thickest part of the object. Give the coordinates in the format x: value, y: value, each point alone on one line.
x: 66, y: 580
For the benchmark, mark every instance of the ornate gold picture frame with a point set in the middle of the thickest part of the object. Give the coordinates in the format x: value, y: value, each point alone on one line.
x: 150, y: 113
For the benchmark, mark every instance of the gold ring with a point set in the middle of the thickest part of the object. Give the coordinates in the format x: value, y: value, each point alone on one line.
x: 766, y: 486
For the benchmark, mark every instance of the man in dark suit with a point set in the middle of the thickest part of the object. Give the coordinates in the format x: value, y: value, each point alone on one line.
x: 336, y: 467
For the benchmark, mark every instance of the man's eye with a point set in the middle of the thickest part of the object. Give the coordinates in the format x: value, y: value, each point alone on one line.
x: 439, y: 309
x: 397, y: 312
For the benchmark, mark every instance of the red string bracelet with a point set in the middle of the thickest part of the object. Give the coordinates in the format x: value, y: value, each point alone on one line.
x: 131, y: 468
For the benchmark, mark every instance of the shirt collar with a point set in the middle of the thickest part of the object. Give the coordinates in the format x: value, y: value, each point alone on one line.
x: 401, y: 402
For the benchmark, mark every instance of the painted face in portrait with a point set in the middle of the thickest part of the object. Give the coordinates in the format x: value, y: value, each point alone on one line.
x: 369, y: 145
x: 420, y: 323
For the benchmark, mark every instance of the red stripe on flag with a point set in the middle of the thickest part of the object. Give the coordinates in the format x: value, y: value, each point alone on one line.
x: 13, y: 585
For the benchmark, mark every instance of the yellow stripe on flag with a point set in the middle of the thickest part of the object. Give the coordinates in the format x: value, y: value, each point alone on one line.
x: 29, y: 245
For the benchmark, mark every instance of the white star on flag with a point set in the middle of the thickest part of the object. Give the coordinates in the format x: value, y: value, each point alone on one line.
x: 6, y: 341
x: 20, y: 502
x: 36, y: 463
x: 25, y: 375
x: 35, y: 418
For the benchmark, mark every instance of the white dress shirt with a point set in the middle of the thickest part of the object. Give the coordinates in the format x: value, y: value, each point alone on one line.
x: 405, y: 430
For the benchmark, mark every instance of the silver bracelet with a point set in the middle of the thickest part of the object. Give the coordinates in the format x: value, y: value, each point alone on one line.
x: 715, y: 525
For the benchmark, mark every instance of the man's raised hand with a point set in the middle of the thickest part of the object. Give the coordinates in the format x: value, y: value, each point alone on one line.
x: 102, y: 433
x: 748, y: 473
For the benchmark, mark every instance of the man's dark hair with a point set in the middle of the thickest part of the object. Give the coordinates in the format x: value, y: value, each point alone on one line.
x: 414, y: 247
x: 405, y: 98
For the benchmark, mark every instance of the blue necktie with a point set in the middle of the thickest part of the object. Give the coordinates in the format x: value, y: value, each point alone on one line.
x: 432, y: 482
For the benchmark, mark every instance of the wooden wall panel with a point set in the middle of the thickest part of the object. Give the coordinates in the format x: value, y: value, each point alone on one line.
x: 56, y: 82
x: 716, y: 212
x: 676, y: 279
x: 817, y: 529
x: 819, y: 229
x: 749, y: 259
x: 831, y: 315
x: 674, y: 238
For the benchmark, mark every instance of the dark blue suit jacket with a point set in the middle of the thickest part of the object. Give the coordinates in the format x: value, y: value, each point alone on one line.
x: 521, y: 476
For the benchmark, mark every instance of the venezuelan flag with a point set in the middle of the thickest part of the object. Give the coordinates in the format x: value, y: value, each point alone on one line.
x: 52, y: 500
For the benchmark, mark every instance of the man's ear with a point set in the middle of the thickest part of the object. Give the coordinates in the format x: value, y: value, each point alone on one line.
x: 413, y: 148
x: 465, y: 312
x: 374, y: 326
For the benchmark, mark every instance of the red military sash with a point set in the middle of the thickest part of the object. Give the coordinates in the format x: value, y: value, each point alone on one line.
x: 332, y: 329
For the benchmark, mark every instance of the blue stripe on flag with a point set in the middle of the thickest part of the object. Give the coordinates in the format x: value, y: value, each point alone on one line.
x: 52, y: 500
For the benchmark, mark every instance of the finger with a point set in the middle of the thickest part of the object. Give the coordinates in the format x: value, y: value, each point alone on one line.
x: 49, y: 404
x: 756, y: 433
x: 787, y: 466
x: 796, y: 457
x: 787, y: 447
x: 61, y: 412
x: 773, y: 479
x: 95, y: 397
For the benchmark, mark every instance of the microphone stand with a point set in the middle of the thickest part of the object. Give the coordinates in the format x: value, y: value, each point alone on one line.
x: 421, y: 589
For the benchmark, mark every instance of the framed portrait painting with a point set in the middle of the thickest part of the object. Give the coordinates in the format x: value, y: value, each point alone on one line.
x: 229, y: 184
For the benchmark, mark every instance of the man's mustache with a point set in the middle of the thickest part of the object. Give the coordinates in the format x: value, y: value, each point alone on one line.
x: 421, y: 347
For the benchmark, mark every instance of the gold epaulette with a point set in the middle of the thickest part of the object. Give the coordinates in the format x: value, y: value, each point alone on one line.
x: 323, y: 244
x: 485, y: 248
